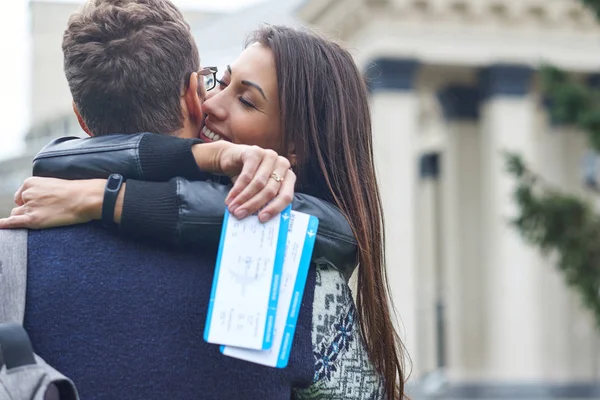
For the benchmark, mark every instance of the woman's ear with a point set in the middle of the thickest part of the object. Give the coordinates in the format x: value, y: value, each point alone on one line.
x: 194, y: 97
x: 81, y: 121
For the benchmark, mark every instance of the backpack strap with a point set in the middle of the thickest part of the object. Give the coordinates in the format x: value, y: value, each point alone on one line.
x: 15, y: 347
x: 13, y: 274
x: 24, y: 375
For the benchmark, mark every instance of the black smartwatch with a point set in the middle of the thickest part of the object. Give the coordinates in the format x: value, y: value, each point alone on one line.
x: 111, y: 192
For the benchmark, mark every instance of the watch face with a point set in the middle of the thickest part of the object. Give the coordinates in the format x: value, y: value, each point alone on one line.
x: 113, y: 182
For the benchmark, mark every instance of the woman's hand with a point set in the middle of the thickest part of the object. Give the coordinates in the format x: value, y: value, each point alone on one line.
x: 262, y: 178
x: 48, y: 202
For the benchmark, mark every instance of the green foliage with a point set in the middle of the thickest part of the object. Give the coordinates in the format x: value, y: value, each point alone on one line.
x: 594, y: 5
x: 558, y: 223
x: 572, y: 102
x: 562, y: 225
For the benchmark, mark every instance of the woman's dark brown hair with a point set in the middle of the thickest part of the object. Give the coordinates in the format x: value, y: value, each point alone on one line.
x: 326, y: 123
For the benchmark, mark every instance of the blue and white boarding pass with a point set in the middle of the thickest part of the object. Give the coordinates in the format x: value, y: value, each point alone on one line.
x: 300, y: 243
x: 245, y: 291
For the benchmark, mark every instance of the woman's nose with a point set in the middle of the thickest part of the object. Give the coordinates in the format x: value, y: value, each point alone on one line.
x: 211, y: 93
x: 214, y: 105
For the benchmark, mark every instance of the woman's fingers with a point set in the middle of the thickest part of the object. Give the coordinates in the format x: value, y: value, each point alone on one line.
x: 252, y: 159
x: 283, y: 198
x: 29, y: 183
x: 275, y: 196
x: 262, y: 176
x: 49, y: 202
x: 19, y: 221
x: 19, y: 196
x: 21, y: 210
x: 239, y: 205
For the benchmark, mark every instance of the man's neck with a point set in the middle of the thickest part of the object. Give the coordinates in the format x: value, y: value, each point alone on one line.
x: 189, y: 130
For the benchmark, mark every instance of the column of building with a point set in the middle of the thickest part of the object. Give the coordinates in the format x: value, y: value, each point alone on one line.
x: 511, y: 267
x: 429, y: 259
x: 395, y: 110
x: 463, y: 291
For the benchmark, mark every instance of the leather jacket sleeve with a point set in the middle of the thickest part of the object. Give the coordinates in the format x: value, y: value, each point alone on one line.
x: 187, y: 208
x: 144, y: 156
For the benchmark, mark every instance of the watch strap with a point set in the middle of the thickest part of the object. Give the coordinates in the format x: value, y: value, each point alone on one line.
x: 111, y: 193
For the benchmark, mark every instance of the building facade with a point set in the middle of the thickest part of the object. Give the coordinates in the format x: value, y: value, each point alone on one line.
x: 453, y: 84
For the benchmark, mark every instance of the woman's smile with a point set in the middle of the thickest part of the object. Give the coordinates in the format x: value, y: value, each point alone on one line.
x: 211, y: 135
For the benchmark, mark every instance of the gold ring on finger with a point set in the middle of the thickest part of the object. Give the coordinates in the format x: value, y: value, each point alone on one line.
x: 276, y: 177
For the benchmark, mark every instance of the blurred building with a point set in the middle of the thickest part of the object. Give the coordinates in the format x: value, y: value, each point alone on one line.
x: 453, y: 83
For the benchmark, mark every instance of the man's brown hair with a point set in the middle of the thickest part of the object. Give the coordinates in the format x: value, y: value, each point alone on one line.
x: 127, y: 63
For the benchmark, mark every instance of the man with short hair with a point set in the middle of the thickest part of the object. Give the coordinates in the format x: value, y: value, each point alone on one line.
x: 122, y: 319
x: 126, y: 63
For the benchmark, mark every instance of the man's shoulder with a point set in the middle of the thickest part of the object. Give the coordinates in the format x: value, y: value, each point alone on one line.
x: 92, y: 240
x: 91, y: 228
x: 74, y: 244
x: 73, y: 237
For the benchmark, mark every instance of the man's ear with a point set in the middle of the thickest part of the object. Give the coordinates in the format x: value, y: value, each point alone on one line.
x: 194, y: 97
x: 81, y: 121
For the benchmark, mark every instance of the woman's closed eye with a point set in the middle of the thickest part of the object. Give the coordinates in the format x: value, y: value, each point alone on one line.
x: 246, y: 103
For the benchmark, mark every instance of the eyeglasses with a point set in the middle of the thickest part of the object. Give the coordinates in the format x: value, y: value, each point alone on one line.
x: 209, y: 77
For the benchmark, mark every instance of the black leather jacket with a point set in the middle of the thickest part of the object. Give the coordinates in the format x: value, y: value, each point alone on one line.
x: 169, y: 199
